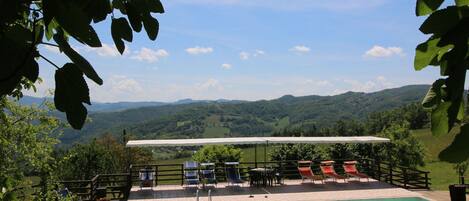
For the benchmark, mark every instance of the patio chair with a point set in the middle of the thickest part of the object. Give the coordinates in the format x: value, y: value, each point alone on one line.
x: 147, y: 178
x: 207, y: 173
x: 327, y: 169
x: 304, y: 168
x: 351, y: 170
x: 232, y: 173
x: 191, y: 173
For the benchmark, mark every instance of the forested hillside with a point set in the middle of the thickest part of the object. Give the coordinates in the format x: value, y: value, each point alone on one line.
x: 219, y: 119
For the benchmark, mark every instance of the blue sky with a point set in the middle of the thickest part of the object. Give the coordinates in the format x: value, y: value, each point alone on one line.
x: 258, y: 49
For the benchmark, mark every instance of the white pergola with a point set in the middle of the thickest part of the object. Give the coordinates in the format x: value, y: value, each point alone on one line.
x: 255, y: 140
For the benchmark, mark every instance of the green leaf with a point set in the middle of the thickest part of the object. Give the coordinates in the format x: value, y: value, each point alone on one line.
x: 457, y: 151
x: 81, y: 62
x: 98, y: 9
x: 151, y: 26
x: 433, y: 96
x: 115, y: 32
x: 120, y: 29
x: 461, y: 3
x: 71, y: 91
x: 441, y: 21
x: 77, y: 23
x: 425, y: 53
x: 439, y: 119
x: 425, y: 7
x: 155, y: 6
x: 31, y: 70
x: 135, y: 17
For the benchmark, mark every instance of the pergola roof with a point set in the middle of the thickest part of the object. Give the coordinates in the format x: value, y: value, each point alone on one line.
x: 255, y: 140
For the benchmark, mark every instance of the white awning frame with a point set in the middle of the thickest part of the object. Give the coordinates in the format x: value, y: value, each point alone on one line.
x: 255, y: 140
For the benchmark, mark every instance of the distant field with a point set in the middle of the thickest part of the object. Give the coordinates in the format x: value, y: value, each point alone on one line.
x: 442, y: 174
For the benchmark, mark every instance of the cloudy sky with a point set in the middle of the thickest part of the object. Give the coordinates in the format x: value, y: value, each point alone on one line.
x: 258, y: 49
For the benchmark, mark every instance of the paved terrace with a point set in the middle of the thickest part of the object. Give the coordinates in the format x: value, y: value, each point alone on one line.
x: 292, y: 190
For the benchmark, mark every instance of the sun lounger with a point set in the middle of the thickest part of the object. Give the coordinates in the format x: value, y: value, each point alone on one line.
x: 232, y: 173
x: 191, y: 173
x: 327, y: 169
x: 304, y: 168
x: 147, y: 178
x: 207, y: 173
x: 351, y: 170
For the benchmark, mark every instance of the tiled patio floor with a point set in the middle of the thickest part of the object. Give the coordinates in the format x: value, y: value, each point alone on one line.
x: 292, y: 190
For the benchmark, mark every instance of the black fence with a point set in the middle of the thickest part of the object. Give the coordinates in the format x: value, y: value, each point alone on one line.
x: 112, y: 186
x: 117, y: 186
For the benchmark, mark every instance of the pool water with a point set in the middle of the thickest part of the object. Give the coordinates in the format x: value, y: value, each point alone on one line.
x: 393, y: 199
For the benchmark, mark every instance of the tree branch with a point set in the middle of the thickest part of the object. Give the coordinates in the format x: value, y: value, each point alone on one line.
x: 49, y: 61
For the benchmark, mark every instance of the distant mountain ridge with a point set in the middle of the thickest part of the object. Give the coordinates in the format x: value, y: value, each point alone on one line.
x: 196, y: 119
x: 119, y: 106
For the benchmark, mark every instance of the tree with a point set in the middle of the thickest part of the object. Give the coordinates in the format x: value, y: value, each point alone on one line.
x: 27, y: 24
x: 404, y: 149
x: 100, y: 156
x: 447, y: 47
x: 26, y: 144
x: 217, y: 154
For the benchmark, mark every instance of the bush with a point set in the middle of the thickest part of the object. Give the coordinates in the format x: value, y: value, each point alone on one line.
x: 217, y: 154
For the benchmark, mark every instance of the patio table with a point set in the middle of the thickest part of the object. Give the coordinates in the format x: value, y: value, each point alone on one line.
x: 261, y: 176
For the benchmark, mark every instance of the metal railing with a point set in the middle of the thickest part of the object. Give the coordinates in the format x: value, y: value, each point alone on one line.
x: 117, y: 186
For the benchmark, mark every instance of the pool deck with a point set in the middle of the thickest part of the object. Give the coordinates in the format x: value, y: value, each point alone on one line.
x: 292, y: 190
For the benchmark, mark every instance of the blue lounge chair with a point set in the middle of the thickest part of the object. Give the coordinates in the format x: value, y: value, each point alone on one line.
x: 207, y: 173
x: 232, y: 173
x: 191, y: 173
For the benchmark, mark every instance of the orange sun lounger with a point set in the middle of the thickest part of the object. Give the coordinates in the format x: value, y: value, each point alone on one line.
x: 351, y: 170
x: 327, y: 169
x: 304, y: 168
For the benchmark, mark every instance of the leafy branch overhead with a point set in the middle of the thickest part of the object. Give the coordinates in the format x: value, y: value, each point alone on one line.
x: 26, y: 24
x: 447, y: 47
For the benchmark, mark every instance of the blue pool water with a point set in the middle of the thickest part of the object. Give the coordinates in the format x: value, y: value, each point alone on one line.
x: 393, y: 199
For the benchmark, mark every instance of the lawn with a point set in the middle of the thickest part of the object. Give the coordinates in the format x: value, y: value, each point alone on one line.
x: 442, y: 173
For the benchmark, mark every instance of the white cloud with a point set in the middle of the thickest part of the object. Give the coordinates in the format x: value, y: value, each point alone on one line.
x: 52, y: 49
x: 149, y: 55
x: 300, y: 49
x: 258, y: 53
x: 379, y: 51
x: 210, y: 84
x: 226, y: 66
x: 244, y: 55
x: 117, y: 88
x: 199, y: 50
x: 106, y: 50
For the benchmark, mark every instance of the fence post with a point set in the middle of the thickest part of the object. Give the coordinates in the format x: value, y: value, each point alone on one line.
x: 426, y: 180
x: 182, y: 174
x: 156, y: 175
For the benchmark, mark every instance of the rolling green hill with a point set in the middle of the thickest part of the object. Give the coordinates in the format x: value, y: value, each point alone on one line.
x: 219, y: 119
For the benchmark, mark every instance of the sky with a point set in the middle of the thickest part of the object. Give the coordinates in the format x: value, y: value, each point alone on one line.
x: 257, y: 49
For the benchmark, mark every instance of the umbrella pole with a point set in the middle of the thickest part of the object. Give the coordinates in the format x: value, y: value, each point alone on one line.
x: 265, y: 153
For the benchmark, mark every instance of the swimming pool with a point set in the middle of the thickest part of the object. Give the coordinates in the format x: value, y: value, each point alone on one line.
x: 393, y: 199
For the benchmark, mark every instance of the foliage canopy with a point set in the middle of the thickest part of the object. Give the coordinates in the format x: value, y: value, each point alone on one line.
x: 446, y: 47
x: 26, y: 24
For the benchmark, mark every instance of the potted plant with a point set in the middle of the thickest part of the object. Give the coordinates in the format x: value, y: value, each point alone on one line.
x: 458, y: 191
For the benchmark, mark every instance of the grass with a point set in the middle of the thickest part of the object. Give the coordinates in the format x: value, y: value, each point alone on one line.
x: 215, y: 131
x: 442, y: 173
